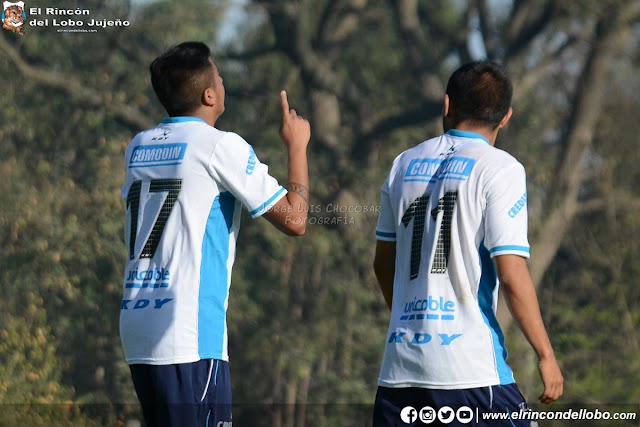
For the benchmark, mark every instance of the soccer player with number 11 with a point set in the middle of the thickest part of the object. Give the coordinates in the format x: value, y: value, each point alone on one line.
x: 452, y: 227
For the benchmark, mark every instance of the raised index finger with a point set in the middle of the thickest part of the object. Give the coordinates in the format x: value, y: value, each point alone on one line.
x: 285, y: 104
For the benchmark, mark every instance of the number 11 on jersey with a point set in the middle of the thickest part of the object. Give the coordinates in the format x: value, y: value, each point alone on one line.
x: 417, y: 212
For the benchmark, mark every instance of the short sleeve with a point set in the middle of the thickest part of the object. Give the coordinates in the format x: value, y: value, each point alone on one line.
x: 506, y: 213
x: 237, y: 166
x: 386, y: 228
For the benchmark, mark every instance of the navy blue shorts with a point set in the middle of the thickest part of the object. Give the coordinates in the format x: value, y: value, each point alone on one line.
x: 186, y: 394
x: 479, y: 407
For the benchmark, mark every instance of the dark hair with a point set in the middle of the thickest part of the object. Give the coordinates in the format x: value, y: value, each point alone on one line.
x: 180, y: 75
x: 479, y: 93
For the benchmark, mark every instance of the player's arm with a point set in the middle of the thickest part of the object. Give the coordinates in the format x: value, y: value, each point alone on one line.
x: 520, y: 295
x: 290, y: 213
x: 384, y: 265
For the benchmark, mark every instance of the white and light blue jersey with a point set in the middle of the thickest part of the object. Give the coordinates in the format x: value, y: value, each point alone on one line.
x: 185, y: 186
x: 450, y: 204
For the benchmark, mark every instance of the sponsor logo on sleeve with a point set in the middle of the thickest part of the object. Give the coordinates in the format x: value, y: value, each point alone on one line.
x: 518, y: 206
x: 251, y: 163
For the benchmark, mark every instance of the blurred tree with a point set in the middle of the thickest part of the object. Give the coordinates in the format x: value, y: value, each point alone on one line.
x: 594, y: 305
x: 307, y: 323
x: 73, y: 102
x: 26, y: 347
x: 370, y: 76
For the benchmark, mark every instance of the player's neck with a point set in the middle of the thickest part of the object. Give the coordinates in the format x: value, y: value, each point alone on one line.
x: 489, y: 134
x: 208, y: 118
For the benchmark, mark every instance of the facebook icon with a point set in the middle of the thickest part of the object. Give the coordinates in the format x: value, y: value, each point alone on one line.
x: 408, y: 414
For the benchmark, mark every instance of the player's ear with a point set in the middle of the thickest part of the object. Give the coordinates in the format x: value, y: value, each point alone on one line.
x: 209, y: 97
x: 506, y: 118
x: 445, y: 110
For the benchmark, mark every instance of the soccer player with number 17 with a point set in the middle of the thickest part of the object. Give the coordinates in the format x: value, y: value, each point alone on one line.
x: 185, y: 185
x: 452, y: 228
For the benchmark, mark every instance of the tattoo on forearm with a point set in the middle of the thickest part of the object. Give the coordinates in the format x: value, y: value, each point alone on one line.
x: 300, y: 189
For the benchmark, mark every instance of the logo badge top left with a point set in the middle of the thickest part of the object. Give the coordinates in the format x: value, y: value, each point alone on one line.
x: 13, y: 17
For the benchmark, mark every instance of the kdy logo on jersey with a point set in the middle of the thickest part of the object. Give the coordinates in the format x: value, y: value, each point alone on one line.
x: 13, y: 17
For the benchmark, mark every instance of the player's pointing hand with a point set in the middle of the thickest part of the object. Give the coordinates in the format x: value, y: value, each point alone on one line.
x: 295, y: 131
x: 285, y: 104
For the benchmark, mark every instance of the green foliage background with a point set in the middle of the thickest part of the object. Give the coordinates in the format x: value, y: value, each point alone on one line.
x: 307, y: 323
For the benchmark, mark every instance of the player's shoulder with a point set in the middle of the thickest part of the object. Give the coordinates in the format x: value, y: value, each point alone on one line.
x: 427, y: 148
x: 503, y: 155
x: 501, y: 160
x: 140, y: 138
x: 232, y: 143
x: 495, y: 165
x: 231, y: 137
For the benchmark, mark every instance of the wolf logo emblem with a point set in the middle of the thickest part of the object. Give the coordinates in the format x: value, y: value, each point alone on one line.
x: 13, y: 17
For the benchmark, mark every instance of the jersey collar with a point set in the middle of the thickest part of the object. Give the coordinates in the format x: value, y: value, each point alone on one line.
x: 466, y: 134
x: 182, y: 119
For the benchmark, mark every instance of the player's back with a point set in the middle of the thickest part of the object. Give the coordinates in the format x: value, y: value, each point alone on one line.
x: 179, y: 215
x: 443, y: 332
